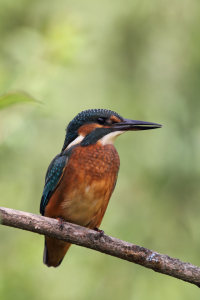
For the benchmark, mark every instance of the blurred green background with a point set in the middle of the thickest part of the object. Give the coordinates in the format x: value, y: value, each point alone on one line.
x: 142, y: 60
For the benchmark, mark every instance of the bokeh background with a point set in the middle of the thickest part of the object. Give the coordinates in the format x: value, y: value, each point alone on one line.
x: 142, y: 60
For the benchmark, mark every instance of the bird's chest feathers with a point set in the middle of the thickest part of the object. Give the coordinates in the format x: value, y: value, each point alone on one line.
x: 89, y: 181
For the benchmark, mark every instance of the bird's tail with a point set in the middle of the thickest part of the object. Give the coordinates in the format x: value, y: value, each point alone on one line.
x: 54, y: 251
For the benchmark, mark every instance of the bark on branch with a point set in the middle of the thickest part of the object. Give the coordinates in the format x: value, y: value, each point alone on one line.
x: 84, y: 237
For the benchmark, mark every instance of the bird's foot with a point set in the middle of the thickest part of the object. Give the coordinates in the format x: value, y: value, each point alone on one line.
x: 61, y: 223
x: 101, y: 232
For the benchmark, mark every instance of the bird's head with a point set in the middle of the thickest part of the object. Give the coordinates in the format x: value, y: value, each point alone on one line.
x: 93, y: 125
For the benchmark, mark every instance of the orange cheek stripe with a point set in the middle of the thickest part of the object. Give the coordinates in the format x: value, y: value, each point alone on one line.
x: 115, y: 119
x: 88, y: 128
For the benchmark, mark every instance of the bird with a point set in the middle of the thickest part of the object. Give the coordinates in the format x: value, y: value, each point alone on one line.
x: 81, y: 178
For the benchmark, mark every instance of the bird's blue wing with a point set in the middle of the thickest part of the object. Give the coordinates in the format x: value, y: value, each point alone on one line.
x: 53, y: 176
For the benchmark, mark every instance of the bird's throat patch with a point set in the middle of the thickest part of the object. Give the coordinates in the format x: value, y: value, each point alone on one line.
x: 110, y: 137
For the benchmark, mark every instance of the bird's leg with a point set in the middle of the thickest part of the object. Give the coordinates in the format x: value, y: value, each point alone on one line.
x: 101, y: 232
x: 61, y: 222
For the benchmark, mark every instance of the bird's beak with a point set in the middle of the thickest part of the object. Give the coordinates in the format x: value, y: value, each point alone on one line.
x: 127, y: 125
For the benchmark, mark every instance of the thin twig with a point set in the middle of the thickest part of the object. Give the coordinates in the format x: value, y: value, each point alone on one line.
x: 91, y: 239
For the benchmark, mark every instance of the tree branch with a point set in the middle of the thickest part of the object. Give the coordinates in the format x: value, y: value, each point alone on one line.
x: 88, y: 238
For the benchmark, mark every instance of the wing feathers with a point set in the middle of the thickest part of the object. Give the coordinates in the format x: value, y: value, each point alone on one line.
x: 53, y: 177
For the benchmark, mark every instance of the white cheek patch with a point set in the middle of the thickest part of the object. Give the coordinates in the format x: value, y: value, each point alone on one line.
x: 110, y: 137
x: 76, y: 141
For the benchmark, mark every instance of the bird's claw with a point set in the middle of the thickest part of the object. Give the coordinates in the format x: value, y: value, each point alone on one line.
x: 61, y: 223
x: 101, y: 232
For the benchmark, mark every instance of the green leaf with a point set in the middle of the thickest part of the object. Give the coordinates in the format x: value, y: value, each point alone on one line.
x: 16, y: 97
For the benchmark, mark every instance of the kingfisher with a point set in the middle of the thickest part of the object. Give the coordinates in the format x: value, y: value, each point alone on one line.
x: 81, y: 178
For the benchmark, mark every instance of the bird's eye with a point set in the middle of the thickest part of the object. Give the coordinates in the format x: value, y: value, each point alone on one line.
x: 101, y: 121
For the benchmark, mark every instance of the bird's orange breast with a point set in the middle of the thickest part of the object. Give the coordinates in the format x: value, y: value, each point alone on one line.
x: 89, y: 179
